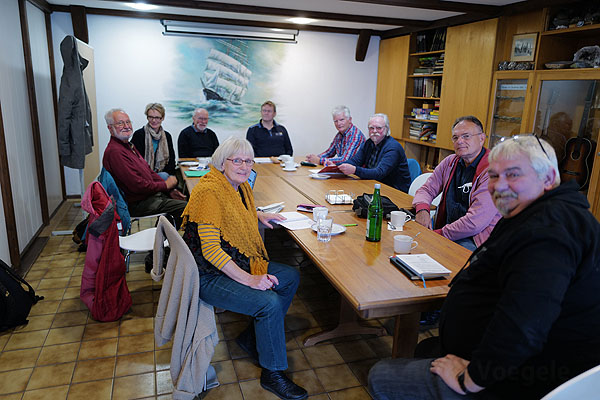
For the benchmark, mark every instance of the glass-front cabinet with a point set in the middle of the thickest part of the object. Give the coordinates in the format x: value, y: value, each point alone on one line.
x: 509, y: 104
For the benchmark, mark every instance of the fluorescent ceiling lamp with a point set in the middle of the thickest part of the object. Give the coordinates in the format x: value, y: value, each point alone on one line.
x: 142, y: 6
x: 301, y: 20
x: 184, y: 28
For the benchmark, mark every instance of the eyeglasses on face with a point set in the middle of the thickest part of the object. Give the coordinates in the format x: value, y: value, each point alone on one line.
x: 521, y: 136
x: 154, y: 118
x: 238, y: 161
x: 376, y: 128
x: 466, y: 136
x: 121, y: 124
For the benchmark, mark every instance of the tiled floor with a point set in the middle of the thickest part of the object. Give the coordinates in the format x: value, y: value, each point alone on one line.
x: 63, y: 353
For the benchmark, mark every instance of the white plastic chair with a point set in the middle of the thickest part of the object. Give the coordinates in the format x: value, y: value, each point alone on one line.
x: 583, y: 386
x: 142, y: 241
x: 417, y: 183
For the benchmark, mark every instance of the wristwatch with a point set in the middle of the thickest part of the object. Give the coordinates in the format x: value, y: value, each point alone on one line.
x: 461, y: 381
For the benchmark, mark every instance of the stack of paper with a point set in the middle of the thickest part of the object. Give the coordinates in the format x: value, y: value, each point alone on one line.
x: 295, y: 221
x: 272, y: 208
x: 263, y: 160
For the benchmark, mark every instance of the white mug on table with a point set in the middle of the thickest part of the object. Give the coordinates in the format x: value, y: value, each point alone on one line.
x: 319, y: 213
x: 399, y: 218
x: 290, y: 164
x: 403, y: 244
x: 285, y: 158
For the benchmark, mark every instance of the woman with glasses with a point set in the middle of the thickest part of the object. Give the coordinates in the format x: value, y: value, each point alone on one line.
x: 221, y: 230
x: 154, y: 143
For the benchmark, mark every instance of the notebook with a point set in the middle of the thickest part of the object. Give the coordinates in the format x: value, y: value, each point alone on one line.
x: 421, y: 266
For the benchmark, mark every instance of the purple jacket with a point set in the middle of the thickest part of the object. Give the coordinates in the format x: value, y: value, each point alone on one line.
x: 482, y: 215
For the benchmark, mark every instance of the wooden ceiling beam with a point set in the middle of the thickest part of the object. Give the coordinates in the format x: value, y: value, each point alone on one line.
x: 436, y: 5
x: 281, y: 12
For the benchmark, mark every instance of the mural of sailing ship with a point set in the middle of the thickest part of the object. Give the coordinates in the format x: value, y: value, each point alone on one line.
x: 226, y: 76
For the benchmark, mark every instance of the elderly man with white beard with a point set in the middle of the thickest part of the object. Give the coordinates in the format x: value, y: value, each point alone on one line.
x: 523, y: 316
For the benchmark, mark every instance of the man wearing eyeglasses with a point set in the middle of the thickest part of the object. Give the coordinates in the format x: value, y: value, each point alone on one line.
x: 523, y: 316
x: 466, y: 213
x: 381, y: 157
x: 146, y: 193
x: 197, y: 140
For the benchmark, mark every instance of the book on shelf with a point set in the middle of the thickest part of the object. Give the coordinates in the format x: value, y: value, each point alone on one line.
x: 426, y: 87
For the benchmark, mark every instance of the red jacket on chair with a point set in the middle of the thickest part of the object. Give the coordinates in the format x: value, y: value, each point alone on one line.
x: 103, y: 284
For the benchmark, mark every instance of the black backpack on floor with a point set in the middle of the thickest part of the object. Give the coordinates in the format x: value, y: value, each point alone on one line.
x: 16, y: 298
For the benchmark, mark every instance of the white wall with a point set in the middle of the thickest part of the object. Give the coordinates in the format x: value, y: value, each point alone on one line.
x: 45, y: 104
x: 317, y: 74
x: 17, y: 125
x: 4, y: 251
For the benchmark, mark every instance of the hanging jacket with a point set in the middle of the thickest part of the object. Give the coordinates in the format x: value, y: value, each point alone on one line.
x: 75, y: 138
x: 103, y: 285
x: 108, y: 183
x: 182, y: 316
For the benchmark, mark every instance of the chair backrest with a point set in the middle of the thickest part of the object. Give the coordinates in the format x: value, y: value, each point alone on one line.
x: 108, y: 182
x: 418, y: 182
x: 583, y: 386
x: 414, y: 168
x: 166, y: 230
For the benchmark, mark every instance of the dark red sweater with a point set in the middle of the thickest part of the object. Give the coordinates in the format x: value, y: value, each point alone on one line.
x: 130, y: 171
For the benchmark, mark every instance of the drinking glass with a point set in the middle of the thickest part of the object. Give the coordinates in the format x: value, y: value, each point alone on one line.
x: 324, y: 226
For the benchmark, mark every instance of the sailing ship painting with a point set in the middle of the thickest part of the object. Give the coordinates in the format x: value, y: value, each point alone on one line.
x: 226, y: 76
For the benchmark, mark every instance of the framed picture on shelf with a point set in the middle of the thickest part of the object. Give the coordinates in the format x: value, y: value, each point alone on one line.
x: 523, y: 47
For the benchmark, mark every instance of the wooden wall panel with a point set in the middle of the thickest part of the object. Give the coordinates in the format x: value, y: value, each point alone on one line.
x: 468, y: 70
x: 391, y: 81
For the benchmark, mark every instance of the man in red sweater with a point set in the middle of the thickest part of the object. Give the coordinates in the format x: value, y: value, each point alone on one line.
x: 145, y: 192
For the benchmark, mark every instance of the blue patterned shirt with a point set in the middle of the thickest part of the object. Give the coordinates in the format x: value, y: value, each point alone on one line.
x: 343, y: 146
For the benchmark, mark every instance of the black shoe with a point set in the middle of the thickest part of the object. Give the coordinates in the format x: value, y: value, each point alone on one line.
x: 280, y: 385
x: 247, y: 342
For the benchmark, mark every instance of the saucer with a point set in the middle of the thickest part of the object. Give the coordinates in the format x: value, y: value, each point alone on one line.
x: 290, y: 169
x: 319, y: 176
x: 189, y: 163
x: 336, y: 229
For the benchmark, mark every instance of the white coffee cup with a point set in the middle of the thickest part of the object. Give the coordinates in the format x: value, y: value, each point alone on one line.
x: 285, y: 158
x: 399, y: 218
x: 290, y: 164
x: 403, y: 244
x: 319, y: 213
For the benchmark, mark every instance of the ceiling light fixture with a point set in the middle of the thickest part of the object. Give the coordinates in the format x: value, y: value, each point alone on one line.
x: 184, y: 28
x: 301, y: 20
x: 142, y: 6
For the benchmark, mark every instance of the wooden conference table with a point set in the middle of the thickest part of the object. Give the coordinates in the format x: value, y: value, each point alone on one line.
x: 371, y: 287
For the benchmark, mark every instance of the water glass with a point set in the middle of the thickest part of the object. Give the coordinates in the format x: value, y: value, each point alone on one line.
x: 324, y: 226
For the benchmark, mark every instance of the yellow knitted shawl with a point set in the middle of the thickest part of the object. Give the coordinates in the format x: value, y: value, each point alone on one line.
x: 214, y: 201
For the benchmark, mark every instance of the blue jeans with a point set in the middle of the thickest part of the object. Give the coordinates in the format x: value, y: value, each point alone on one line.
x: 468, y: 243
x: 164, y: 175
x: 410, y: 379
x: 267, y: 307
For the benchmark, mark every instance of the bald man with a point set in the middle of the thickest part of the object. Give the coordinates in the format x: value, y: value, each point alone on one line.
x: 197, y: 140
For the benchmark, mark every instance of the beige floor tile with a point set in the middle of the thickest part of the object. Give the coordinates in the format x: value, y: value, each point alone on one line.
x: 164, y: 384
x: 225, y: 392
x: 145, y: 310
x: 51, y: 294
x: 319, y: 397
x: 233, y: 329
x: 62, y: 261
x: 162, y: 359
x: 355, y: 350
x: 36, y: 323
x: 14, y: 381
x: 135, y: 344
x: 308, y: 380
x: 54, y: 283
x: 222, y: 352
x: 321, y: 356
x: 356, y: 393
x: 51, y: 375
x: 35, y: 274
x: 235, y: 351
x: 136, y: 326
x: 134, y: 386
x: 253, y: 391
x: 225, y: 371
x: 54, y: 393
x: 296, y: 360
x: 72, y: 318
x: 64, y: 335
x: 336, y: 377
x: 13, y: 396
x: 137, y: 276
x: 18, y: 359
x: 4, y: 336
x: 294, y: 322
x: 142, y: 297
x: 138, y: 286
x: 133, y: 364
x: 91, y: 370
x: 26, y: 340
x: 246, y: 369
x: 44, y: 307
x: 98, y: 348
x: 97, y: 390
x: 101, y: 331
x: 290, y: 341
x: 382, y: 345
x: 74, y: 281
x: 59, y: 273
x: 72, y: 293
x: 229, y: 316
x: 67, y: 305
x: 60, y: 353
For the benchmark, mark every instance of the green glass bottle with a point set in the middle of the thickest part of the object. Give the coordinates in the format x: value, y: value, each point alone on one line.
x: 375, y: 216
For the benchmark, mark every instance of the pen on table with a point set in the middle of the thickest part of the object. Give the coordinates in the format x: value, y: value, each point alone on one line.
x: 350, y: 225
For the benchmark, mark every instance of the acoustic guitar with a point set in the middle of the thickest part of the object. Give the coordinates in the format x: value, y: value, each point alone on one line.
x: 576, y: 165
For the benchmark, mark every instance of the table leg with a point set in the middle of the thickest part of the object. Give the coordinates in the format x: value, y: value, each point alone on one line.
x: 348, y: 324
x: 406, y: 334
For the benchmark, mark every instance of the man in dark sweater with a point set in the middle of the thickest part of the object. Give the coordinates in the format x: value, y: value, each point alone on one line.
x: 524, y: 315
x: 145, y: 192
x: 197, y: 140
x: 268, y: 138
